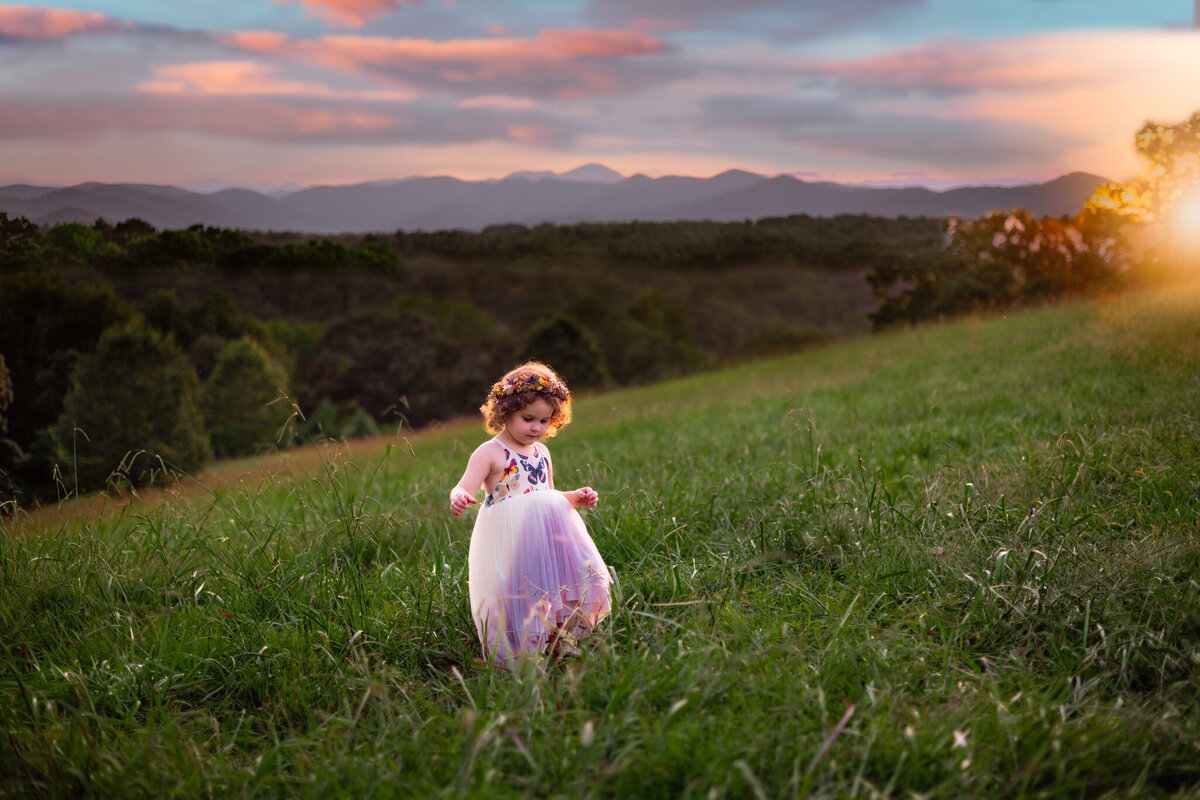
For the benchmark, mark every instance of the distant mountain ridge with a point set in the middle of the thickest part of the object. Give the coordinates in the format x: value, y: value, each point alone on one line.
x: 588, y: 173
x: 591, y: 193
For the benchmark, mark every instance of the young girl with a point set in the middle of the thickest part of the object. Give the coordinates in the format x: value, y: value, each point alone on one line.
x: 537, y: 582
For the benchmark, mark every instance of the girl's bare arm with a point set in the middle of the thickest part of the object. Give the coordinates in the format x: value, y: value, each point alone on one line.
x: 583, y: 497
x: 482, y: 463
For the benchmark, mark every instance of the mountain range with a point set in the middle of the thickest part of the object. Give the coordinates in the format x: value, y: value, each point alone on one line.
x: 591, y: 193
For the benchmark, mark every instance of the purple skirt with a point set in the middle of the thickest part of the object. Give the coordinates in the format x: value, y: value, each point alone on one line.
x: 534, y: 571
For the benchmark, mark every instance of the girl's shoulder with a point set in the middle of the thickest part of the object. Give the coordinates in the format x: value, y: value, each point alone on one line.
x: 491, y: 449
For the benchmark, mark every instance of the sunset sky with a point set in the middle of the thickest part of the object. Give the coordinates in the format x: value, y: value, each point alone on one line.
x: 265, y: 92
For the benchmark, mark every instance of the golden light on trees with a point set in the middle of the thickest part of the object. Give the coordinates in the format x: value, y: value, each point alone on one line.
x: 1172, y: 155
x: 1126, y: 200
x: 1165, y: 199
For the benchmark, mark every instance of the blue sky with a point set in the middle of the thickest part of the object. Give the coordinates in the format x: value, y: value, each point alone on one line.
x: 931, y: 92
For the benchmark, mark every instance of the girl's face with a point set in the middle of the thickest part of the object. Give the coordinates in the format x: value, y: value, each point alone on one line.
x: 530, y: 423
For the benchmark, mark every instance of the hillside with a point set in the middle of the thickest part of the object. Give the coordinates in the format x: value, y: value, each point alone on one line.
x: 957, y: 560
x: 436, y: 203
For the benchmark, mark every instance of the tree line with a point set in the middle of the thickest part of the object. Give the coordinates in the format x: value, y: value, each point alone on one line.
x: 130, y: 353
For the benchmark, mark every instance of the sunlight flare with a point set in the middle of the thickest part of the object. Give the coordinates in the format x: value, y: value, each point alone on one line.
x: 1185, y: 218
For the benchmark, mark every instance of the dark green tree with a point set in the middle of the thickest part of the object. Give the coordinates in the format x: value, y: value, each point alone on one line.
x: 298, y: 342
x: 390, y: 364
x: 651, y: 340
x: 10, y: 452
x: 18, y: 242
x: 163, y: 312
x: 377, y: 257
x: 73, y: 243
x: 568, y: 347
x: 217, y: 315
x: 6, y: 394
x: 132, y: 413
x: 242, y: 404
x: 172, y: 249
x: 129, y: 231
x: 17, y: 233
x: 42, y: 315
x: 410, y: 365
x: 223, y: 240
x: 317, y: 254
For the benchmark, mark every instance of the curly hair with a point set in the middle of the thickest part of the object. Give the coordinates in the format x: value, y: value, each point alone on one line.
x: 509, y: 395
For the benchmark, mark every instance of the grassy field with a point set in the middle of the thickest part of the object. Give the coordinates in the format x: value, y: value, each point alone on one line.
x: 962, y: 560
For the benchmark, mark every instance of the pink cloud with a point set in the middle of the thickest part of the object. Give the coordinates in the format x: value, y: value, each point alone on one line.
x: 291, y: 121
x: 28, y: 22
x: 532, y: 135
x: 244, y: 118
x: 248, y: 78
x: 559, y: 63
x: 354, y: 13
x: 260, y: 41
x: 500, y: 102
x: 957, y: 66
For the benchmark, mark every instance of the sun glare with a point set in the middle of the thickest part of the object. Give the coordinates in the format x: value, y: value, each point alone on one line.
x: 1185, y: 219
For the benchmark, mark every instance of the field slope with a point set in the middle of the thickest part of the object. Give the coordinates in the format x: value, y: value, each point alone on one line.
x: 961, y: 560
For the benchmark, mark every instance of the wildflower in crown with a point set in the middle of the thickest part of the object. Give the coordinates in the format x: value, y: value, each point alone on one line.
x: 530, y: 382
x: 521, y: 386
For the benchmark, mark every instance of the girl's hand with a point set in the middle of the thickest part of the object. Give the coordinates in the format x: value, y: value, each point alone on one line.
x: 459, y: 500
x: 585, y: 497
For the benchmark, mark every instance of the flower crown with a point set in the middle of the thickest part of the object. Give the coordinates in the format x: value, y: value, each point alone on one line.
x: 530, y: 383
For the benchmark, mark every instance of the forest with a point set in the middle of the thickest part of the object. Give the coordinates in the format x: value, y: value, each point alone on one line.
x: 132, y: 354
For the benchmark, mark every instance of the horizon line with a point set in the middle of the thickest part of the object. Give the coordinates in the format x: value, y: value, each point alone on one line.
x: 806, y: 176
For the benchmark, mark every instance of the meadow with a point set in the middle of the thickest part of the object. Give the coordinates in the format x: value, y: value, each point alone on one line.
x: 956, y: 560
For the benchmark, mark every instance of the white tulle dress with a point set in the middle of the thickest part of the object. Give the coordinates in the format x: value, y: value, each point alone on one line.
x: 534, y: 570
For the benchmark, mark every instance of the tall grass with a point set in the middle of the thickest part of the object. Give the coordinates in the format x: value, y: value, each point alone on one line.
x: 955, y: 561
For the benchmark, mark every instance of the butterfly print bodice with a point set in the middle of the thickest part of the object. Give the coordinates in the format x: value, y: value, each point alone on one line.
x: 521, y: 475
